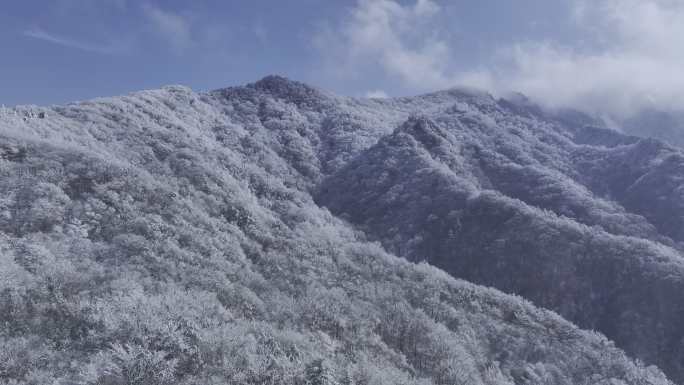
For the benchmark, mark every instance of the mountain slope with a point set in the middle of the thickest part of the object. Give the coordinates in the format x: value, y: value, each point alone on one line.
x: 591, y: 231
x: 173, y: 238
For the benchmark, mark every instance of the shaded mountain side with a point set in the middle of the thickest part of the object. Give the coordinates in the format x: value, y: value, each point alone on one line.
x: 430, y: 193
x: 645, y: 177
x: 169, y: 237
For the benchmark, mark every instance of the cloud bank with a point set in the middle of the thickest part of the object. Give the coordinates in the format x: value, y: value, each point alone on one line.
x: 638, y: 62
x: 634, y: 59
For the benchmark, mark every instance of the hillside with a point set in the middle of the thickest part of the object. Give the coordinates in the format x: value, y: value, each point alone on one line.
x: 252, y: 234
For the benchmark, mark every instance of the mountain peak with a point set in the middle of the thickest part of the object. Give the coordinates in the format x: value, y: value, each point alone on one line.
x: 285, y: 88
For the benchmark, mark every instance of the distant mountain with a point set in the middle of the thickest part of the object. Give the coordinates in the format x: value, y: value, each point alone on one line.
x: 250, y: 235
x: 667, y: 126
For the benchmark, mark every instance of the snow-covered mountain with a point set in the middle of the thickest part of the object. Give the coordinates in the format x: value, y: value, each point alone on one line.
x: 255, y: 235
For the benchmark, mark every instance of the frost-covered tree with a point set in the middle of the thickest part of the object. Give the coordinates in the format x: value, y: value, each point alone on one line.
x: 318, y: 372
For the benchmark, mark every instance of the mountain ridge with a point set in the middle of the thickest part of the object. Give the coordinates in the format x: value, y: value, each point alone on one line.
x: 171, y: 199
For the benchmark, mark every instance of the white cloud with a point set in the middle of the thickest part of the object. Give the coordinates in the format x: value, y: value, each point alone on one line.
x: 174, y: 28
x: 376, y: 94
x: 103, y: 48
x: 394, y: 38
x: 638, y: 62
x: 634, y: 58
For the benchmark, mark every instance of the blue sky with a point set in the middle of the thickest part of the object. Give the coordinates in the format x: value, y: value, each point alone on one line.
x: 613, y: 53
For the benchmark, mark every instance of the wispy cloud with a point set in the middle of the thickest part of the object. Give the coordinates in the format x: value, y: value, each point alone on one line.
x: 375, y: 33
x: 100, y: 48
x: 171, y: 26
x: 400, y: 40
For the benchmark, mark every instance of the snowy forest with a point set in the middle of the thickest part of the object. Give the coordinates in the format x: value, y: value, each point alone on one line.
x: 276, y: 233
